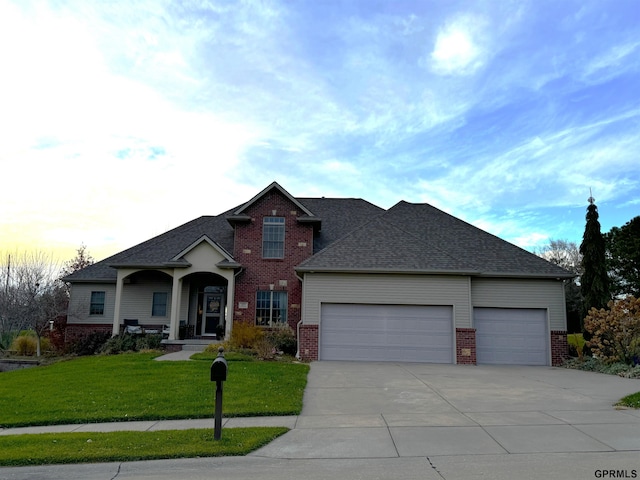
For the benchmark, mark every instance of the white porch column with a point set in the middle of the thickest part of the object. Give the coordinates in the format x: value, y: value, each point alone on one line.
x: 230, y: 307
x: 116, y: 309
x: 176, y: 295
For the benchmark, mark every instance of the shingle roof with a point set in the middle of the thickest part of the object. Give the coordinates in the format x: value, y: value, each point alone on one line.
x: 355, y: 235
x: 339, y: 216
x: 161, y: 249
x: 383, y: 247
x: 419, y: 238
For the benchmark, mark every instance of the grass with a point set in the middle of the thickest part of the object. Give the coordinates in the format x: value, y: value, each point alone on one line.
x: 21, y: 450
x: 131, y: 387
x: 632, y: 401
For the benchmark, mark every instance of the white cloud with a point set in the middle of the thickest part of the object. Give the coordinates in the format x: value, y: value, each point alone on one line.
x: 609, y: 64
x: 460, y: 46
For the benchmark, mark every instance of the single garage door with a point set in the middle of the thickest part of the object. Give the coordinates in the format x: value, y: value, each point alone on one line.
x: 402, y: 333
x: 511, y: 336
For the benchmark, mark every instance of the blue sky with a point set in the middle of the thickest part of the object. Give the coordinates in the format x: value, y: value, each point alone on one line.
x: 121, y: 120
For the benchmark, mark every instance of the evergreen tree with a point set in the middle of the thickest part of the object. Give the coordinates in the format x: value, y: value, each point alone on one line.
x: 623, y: 249
x: 594, y: 282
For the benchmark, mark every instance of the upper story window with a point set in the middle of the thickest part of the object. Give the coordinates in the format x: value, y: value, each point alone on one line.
x: 96, y: 307
x: 159, y: 306
x: 273, y: 237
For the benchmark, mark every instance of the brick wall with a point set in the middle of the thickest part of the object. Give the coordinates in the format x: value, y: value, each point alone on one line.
x: 309, y: 342
x: 78, y: 331
x: 466, y: 346
x: 259, y: 273
x: 559, y: 347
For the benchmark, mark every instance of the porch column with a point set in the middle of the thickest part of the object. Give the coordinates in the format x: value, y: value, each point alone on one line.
x: 176, y: 294
x: 118, y: 301
x: 230, y: 307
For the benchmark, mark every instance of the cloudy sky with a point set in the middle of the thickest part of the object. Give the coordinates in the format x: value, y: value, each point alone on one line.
x: 121, y: 120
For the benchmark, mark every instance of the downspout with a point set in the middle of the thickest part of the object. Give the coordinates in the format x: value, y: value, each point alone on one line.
x: 298, y: 339
x: 232, y: 309
x: 298, y: 325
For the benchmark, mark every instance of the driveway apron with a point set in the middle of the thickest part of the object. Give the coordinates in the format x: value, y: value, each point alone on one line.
x: 388, y: 410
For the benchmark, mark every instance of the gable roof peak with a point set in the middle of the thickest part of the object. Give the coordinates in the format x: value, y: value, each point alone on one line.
x: 273, y: 186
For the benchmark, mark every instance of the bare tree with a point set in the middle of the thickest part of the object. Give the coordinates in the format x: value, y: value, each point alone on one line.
x: 563, y: 253
x: 567, y: 255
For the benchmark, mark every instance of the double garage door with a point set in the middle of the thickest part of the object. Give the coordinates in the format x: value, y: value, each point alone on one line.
x: 403, y: 333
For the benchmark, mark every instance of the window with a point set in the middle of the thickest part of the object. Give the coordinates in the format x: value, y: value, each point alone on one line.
x: 271, y: 308
x: 159, y: 307
x: 273, y: 237
x: 96, y: 306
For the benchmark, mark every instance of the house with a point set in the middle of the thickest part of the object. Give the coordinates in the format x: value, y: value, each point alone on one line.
x: 354, y: 281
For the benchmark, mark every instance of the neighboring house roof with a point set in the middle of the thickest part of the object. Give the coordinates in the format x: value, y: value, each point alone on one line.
x: 419, y: 238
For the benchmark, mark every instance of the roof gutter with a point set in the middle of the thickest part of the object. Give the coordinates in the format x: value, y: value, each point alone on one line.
x: 471, y: 273
x: 388, y: 271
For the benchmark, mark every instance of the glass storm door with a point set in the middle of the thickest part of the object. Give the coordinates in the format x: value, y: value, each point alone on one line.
x: 212, y: 313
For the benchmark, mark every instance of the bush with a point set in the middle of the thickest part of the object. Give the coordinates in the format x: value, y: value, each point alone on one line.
x: 264, y: 349
x: 25, y: 345
x: 245, y: 335
x: 90, y: 345
x: 6, y: 340
x: 616, y: 331
x: 126, y: 342
x: 149, y: 342
x: 591, y: 364
x: 283, y: 339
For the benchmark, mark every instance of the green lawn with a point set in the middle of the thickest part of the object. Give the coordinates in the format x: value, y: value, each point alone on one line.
x: 632, y: 400
x: 20, y: 450
x: 135, y: 387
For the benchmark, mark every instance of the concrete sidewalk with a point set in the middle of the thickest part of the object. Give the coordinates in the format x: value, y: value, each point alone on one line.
x: 155, y: 425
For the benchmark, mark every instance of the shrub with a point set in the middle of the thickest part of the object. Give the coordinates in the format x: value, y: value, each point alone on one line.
x: 149, y: 342
x: 615, y: 331
x: 576, y: 345
x: 126, y: 342
x: 264, y: 348
x: 283, y: 339
x: 591, y: 364
x: 6, y: 340
x: 25, y: 345
x: 91, y: 344
x: 245, y: 335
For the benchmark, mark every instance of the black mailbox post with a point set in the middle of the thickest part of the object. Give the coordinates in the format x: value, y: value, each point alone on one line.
x: 218, y: 375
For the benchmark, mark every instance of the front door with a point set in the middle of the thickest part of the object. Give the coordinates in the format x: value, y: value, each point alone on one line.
x: 212, y: 313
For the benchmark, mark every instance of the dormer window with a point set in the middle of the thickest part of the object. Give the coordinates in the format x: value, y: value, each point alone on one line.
x: 273, y: 237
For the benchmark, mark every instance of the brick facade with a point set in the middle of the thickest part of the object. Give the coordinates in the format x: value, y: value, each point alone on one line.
x: 260, y: 274
x: 559, y: 347
x: 309, y: 342
x: 78, y: 331
x: 466, y: 346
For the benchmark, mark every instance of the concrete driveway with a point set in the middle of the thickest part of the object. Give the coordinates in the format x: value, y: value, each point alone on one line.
x: 385, y: 410
x: 377, y: 421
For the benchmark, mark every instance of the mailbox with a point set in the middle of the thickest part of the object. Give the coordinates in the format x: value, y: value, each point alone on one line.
x: 218, y: 375
x: 219, y: 368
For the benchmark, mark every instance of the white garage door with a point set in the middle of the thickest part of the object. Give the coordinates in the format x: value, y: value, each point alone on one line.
x: 511, y: 336
x: 402, y: 333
